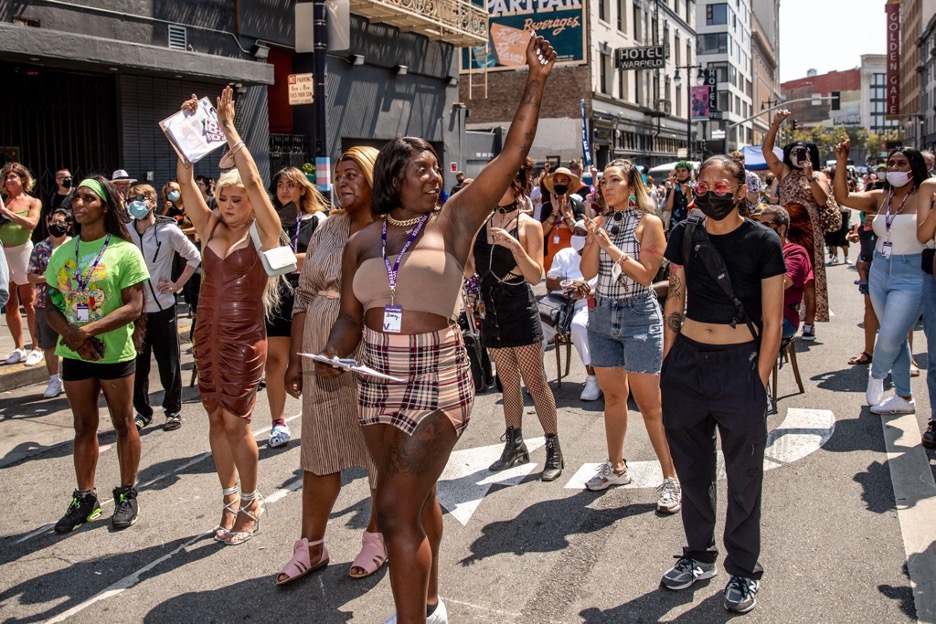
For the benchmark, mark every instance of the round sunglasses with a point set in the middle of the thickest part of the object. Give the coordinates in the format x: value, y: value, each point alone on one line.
x: 720, y: 188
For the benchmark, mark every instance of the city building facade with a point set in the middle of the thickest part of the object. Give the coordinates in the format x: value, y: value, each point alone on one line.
x: 765, y: 54
x: 639, y: 114
x: 99, y: 91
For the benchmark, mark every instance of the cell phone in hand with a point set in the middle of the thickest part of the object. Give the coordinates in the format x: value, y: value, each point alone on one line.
x: 98, y: 346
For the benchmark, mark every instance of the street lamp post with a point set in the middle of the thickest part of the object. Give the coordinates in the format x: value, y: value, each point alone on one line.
x: 677, y: 80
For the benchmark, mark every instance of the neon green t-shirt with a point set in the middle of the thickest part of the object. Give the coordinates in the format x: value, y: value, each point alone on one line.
x: 120, y: 266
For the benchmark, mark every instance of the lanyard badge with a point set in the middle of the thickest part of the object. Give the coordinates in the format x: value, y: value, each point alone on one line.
x: 393, y: 314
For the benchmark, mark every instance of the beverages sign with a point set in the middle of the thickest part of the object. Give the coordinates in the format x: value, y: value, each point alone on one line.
x: 510, y: 23
x: 652, y: 57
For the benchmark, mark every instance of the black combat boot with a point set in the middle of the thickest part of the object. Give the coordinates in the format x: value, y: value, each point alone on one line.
x: 554, y: 461
x: 515, y: 451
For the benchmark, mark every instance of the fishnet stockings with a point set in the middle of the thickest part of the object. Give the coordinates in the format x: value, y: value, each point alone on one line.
x: 526, y: 362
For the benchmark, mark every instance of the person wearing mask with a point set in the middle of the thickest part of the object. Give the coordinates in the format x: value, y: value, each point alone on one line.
x: 388, y: 269
x: 459, y: 182
x: 560, y: 212
x: 332, y: 440
x: 60, y: 198
x: 230, y: 335
x: 625, y: 329
x: 19, y: 215
x: 59, y: 225
x: 565, y: 275
x: 714, y: 377
x: 94, y: 298
x: 159, y: 241
x: 798, y: 265
x: 507, y: 255
x: 678, y: 194
x: 300, y: 208
x: 895, y: 281
x: 804, y: 191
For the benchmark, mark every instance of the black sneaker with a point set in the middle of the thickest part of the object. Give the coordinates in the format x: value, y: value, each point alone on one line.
x: 741, y: 594
x: 83, y: 508
x: 929, y: 436
x: 141, y: 421
x: 809, y: 333
x: 126, y: 508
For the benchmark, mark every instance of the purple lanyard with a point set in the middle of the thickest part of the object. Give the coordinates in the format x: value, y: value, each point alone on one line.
x: 392, y: 271
x: 888, y: 220
x: 83, y: 284
x: 295, y: 238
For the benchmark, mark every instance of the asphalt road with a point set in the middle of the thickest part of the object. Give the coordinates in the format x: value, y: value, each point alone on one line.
x: 515, y: 549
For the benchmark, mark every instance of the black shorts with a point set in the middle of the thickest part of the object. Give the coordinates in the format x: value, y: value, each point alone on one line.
x: 79, y: 370
x: 280, y: 322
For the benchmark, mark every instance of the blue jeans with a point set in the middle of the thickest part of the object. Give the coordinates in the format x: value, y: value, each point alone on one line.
x: 896, y: 289
x: 929, y: 326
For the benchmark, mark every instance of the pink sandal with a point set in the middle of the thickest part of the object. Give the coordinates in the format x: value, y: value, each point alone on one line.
x: 372, y: 556
x: 300, y: 565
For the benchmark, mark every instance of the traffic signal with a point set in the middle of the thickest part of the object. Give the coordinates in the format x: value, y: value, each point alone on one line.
x: 794, y: 124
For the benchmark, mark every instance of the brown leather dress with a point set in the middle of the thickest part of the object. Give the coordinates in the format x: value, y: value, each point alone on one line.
x: 230, y: 332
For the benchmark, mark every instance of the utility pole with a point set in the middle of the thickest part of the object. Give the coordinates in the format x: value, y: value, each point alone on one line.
x: 320, y: 95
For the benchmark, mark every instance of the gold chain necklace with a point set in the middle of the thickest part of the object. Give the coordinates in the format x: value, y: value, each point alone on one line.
x: 404, y: 223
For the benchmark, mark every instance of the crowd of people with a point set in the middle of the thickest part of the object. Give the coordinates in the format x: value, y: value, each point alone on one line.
x: 97, y: 269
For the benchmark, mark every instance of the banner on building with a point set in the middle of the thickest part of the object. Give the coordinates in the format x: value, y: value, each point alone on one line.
x: 562, y: 22
x: 700, y: 103
x: 586, y: 150
x: 892, y: 11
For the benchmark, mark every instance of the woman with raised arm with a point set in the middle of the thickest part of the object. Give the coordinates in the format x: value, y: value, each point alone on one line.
x: 230, y: 338
x: 804, y: 191
x: 895, y: 282
x: 624, y: 250
x: 401, y: 283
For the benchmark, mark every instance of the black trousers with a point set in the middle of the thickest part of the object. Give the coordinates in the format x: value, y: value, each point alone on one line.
x: 162, y: 340
x: 705, y: 387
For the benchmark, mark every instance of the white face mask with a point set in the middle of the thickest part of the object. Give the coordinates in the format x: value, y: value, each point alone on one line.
x: 898, y: 178
x: 578, y: 242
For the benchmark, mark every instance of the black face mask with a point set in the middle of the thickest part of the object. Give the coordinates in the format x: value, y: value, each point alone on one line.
x: 58, y: 229
x: 715, y: 207
x: 289, y: 215
x: 560, y: 189
x: 66, y: 183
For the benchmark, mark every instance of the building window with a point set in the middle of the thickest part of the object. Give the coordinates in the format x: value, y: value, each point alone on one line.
x: 679, y: 99
x: 678, y: 49
x: 622, y: 84
x: 603, y: 10
x: 712, y: 43
x: 622, y: 16
x: 724, y: 101
x: 638, y: 21
x: 716, y: 14
x: 605, y: 74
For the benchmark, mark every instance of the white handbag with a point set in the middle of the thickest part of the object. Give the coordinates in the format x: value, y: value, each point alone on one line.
x: 277, y: 261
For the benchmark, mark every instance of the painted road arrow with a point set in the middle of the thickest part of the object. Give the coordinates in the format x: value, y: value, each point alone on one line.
x: 802, y: 432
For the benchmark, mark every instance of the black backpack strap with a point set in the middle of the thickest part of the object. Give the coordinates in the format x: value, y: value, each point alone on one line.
x: 715, y: 265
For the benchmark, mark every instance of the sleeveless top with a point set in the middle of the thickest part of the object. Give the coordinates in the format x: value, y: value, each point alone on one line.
x: 429, y: 280
x: 902, y: 235
x: 494, y: 262
x: 13, y: 234
x: 626, y: 241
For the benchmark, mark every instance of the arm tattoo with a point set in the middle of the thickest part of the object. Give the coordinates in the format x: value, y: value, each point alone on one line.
x: 529, y: 97
x: 675, y: 286
x: 674, y: 322
x: 226, y: 123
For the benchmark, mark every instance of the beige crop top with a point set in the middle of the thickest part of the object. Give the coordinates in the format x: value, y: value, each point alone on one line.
x: 428, y: 281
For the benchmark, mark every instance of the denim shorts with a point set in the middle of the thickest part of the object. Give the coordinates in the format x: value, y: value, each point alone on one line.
x: 626, y: 333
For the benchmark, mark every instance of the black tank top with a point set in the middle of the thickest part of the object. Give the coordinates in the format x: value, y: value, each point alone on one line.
x: 493, y: 262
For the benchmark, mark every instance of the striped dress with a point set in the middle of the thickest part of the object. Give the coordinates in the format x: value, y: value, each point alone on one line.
x: 332, y: 440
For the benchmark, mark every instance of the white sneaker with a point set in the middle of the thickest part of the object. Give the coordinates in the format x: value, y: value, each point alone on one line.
x: 439, y: 616
x: 895, y: 405
x: 54, y: 388
x: 875, y: 392
x: 607, y: 476
x: 16, y: 356
x: 669, y: 496
x: 592, y: 391
x: 35, y: 356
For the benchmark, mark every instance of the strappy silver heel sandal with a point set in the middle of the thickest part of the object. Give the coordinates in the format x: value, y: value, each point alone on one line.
x: 233, y: 538
x: 232, y: 507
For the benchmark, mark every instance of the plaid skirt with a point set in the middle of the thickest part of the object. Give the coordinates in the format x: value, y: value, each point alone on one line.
x: 438, y: 375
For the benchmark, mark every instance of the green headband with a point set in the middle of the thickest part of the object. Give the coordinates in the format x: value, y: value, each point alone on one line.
x: 95, y: 186
x: 682, y: 164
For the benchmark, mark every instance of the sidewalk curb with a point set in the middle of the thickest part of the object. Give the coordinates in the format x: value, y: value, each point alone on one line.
x: 16, y: 376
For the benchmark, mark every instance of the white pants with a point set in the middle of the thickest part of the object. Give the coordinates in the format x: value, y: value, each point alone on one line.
x: 578, y: 330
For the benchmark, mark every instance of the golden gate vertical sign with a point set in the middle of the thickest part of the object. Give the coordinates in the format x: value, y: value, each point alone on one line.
x: 892, y: 11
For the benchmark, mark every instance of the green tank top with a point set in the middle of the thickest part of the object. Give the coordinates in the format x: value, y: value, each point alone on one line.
x: 14, y: 235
